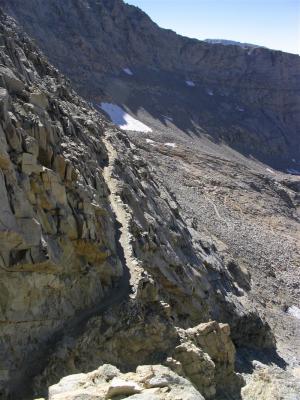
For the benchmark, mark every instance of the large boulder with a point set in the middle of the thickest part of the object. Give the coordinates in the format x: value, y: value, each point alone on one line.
x: 149, y: 382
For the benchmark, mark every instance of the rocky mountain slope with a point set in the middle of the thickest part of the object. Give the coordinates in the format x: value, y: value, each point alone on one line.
x: 156, y: 251
x: 255, y: 106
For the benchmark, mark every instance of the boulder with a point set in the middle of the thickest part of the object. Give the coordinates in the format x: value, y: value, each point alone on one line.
x: 198, y: 367
x: 149, y: 382
x: 214, y: 339
x: 121, y: 387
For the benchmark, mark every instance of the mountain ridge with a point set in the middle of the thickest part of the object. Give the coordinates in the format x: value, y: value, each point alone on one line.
x: 102, y: 38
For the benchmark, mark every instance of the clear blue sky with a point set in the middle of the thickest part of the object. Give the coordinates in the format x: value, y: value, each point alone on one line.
x: 270, y: 23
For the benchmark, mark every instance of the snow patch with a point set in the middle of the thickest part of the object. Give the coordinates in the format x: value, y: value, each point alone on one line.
x: 270, y: 170
x: 258, y: 364
x: 210, y: 92
x: 170, y: 144
x: 86, y: 4
x: 294, y: 311
x: 167, y: 118
x: 151, y: 142
x: 293, y: 171
x: 128, y: 71
x: 123, y: 119
x: 190, y: 83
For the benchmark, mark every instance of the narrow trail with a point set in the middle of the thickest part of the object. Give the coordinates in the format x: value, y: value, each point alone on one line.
x: 123, y: 216
x: 21, y: 387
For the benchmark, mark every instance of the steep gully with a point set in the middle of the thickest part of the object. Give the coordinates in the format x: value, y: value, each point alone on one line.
x: 22, y: 386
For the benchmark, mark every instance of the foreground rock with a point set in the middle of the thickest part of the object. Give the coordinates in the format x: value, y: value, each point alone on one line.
x: 156, y: 382
x: 149, y: 382
x: 205, y: 354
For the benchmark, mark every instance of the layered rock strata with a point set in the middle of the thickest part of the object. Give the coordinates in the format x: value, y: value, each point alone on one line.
x: 57, y: 230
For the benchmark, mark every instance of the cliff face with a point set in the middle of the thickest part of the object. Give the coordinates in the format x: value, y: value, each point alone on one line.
x: 102, y: 37
x: 57, y: 234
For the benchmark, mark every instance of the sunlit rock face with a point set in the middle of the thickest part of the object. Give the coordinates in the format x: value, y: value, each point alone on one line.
x: 151, y: 382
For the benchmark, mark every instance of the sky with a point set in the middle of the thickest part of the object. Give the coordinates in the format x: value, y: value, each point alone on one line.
x: 271, y: 23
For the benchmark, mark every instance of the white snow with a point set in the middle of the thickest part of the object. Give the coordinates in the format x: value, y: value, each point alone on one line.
x: 190, y: 83
x: 123, y: 119
x: 128, y: 71
x: 270, y: 170
x: 170, y: 144
x: 210, y: 92
x: 294, y: 311
x: 150, y: 141
x: 293, y: 171
x: 86, y: 5
x: 258, y: 364
x: 167, y: 118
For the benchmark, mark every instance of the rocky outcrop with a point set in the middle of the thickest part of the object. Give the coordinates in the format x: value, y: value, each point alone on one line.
x: 207, y: 356
x: 149, y: 382
x: 145, y: 340
x: 208, y: 363
x: 155, y: 382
